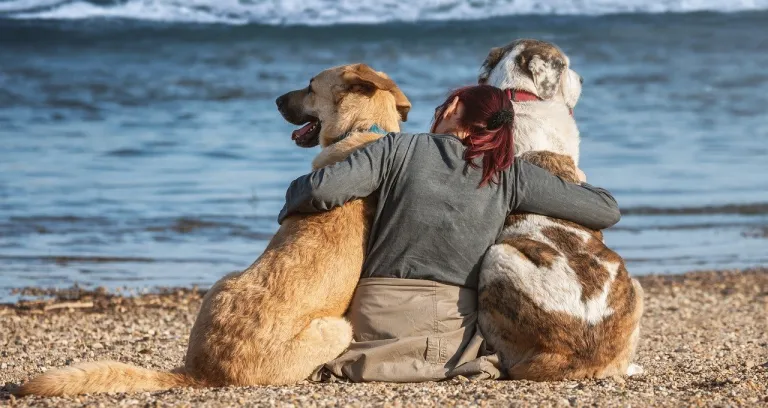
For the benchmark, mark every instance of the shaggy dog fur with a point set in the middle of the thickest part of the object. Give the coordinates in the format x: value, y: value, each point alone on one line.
x: 278, y: 320
x: 555, y: 302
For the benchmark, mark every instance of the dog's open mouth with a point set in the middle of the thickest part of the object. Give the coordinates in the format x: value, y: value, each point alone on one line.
x: 307, y: 135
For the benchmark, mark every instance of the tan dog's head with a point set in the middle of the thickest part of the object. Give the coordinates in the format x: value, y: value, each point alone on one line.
x: 343, y: 99
x: 534, y: 66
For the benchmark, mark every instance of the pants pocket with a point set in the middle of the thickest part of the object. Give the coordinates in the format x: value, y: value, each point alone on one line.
x: 436, y: 350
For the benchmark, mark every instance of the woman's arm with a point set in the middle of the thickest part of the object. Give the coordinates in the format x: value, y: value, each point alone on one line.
x: 357, y: 176
x: 538, y: 191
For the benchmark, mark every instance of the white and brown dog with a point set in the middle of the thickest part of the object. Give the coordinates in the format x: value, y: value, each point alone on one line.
x: 555, y: 302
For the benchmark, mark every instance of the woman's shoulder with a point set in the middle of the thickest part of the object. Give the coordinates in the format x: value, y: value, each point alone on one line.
x: 404, y: 137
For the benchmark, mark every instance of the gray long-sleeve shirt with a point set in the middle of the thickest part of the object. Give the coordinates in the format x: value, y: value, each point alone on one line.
x: 432, y: 220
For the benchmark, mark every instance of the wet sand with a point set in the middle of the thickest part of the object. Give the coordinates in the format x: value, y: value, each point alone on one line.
x: 704, y: 343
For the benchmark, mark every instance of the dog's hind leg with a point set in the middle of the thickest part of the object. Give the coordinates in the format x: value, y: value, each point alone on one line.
x: 321, y: 341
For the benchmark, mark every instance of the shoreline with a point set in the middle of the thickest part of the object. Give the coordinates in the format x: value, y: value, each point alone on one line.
x: 704, y: 342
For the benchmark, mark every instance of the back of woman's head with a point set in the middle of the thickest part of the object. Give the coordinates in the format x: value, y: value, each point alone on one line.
x: 487, y: 118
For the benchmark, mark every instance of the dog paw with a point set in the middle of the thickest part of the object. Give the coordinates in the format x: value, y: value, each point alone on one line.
x: 334, y: 329
x: 634, y: 369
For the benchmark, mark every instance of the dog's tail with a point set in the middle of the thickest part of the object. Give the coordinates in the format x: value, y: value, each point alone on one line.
x: 104, y: 376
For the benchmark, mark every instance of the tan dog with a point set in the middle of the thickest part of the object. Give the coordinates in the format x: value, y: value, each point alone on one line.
x: 281, y: 318
x: 554, y: 302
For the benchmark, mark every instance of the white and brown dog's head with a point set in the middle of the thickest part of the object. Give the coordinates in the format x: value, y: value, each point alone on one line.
x: 534, y: 66
x: 340, y: 100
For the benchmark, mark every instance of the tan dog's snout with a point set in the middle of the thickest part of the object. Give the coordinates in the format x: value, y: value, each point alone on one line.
x: 291, y: 107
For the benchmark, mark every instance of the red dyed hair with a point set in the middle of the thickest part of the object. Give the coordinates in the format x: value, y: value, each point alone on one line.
x: 495, y: 146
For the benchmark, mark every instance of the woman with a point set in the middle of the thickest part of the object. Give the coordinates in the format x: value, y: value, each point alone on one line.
x: 442, y: 200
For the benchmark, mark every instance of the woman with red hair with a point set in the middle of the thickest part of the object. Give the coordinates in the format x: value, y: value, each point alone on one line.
x: 442, y: 200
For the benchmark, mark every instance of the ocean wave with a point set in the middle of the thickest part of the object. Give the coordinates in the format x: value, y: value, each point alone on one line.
x: 730, y: 209
x: 331, y: 12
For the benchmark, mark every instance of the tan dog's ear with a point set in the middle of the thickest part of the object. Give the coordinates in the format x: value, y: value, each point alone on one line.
x: 546, y: 72
x: 402, y: 103
x: 363, y: 79
x: 493, y: 58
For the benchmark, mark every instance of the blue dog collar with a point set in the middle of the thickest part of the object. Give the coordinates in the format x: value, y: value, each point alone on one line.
x: 373, y: 129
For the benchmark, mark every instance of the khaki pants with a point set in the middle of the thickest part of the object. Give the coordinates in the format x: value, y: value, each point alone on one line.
x: 409, y: 330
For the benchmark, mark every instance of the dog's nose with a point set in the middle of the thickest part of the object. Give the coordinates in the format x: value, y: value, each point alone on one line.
x: 581, y: 79
x: 281, y: 101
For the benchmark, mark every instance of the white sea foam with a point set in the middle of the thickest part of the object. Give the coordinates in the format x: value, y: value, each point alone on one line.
x: 330, y: 12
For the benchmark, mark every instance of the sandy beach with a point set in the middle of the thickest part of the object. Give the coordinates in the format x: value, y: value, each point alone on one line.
x: 704, y: 343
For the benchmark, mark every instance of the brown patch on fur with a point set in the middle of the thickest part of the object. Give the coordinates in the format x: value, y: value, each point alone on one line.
x: 539, y: 253
x: 601, y: 251
x: 587, y: 265
x: 514, y: 220
x: 493, y: 58
x: 282, y: 317
x: 596, y: 234
x: 558, y: 164
x: 543, y: 61
x: 591, y: 274
x: 567, y: 241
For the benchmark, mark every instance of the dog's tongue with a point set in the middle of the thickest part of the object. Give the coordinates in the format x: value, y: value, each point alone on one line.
x: 301, y: 132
